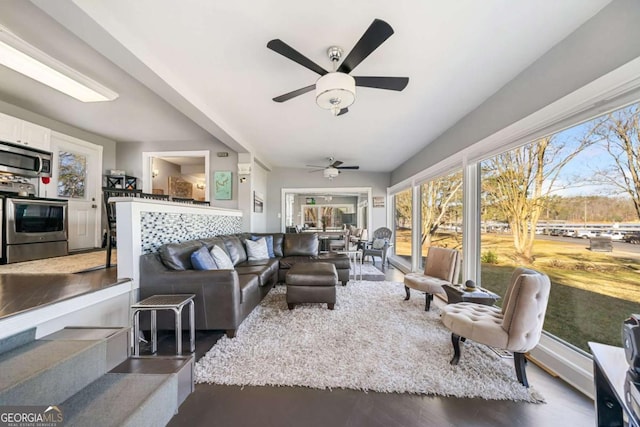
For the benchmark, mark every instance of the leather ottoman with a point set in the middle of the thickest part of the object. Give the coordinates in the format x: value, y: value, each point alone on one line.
x: 312, y: 282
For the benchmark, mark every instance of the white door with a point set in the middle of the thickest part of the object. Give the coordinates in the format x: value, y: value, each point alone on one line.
x: 76, y: 176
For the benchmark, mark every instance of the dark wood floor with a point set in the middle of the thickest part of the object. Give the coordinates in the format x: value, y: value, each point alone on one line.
x: 22, y: 292
x: 298, y: 406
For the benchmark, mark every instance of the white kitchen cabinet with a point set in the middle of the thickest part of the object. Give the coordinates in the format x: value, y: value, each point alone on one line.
x: 24, y: 133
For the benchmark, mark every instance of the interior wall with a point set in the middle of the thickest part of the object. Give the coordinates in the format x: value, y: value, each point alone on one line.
x: 165, y: 170
x: 108, y: 145
x: 607, y: 41
x: 259, y: 181
x: 129, y: 158
x: 280, y: 178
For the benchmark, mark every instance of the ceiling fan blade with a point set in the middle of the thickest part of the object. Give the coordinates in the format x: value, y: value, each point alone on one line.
x: 390, y: 83
x: 335, y: 164
x: 343, y: 111
x: 349, y: 167
x: 316, y: 170
x: 375, y: 35
x: 298, y: 92
x: 315, y: 166
x: 287, y: 51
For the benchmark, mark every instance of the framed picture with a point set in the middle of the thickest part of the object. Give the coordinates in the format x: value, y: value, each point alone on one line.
x: 222, y: 185
x: 258, y: 202
x: 378, y: 202
x: 178, y: 187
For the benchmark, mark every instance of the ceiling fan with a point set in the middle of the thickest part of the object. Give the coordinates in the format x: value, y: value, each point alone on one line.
x: 333, y: 169
x: 336, y: 90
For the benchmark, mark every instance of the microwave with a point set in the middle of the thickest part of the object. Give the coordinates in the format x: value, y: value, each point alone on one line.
x: 25, y: 161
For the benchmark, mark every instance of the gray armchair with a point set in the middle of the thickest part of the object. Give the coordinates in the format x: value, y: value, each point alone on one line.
x: 378, y: 246
x: 516, y: 326
x: 442, y: 268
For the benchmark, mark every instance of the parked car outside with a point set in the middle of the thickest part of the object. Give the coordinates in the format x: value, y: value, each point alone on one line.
x: 615, y: 235
x: 582, y: 233
x: 632, y: 238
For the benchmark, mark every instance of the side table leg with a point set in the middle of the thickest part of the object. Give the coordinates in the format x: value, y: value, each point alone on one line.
x: 154, y: 332
x: 178, y: 313
x: 135, y: 323
x: 192, y: 326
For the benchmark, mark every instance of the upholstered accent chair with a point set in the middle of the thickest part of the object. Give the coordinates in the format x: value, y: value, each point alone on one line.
x: 516, y: 326
x: 378, y: 246
x: 442, y: 268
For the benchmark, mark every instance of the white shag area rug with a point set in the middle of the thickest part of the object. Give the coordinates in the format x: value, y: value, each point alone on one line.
x: 372, y: 341
x: 369, y: 272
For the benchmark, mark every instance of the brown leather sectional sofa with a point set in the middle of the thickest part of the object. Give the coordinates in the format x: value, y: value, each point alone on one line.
x: 224, y: 298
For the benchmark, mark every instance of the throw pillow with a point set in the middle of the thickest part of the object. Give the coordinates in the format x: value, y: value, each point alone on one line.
x: 202, y: 260
x: 379, y: 243
x: 269, y: 240
x: 221, y: 258
x: 257, y: 250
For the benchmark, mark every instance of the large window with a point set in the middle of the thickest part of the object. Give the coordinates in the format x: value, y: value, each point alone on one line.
x: 441, y: 213
x: 403, y: 217
x: 564, y: 205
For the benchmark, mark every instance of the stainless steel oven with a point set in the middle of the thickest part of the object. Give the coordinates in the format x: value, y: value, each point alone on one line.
x: 24, y: 161
x: 34, y: 228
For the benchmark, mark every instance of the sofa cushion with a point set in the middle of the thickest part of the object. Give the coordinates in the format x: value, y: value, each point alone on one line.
x: 289, y: 261
x: 177, y: 256
x: 278, y: 239
x: 221, y: 258
x: 249, y: 284
x: 257, y: 250
x: 210, y: 242
x: 202, y: 260
x: 340, y: 261
x: 235, y: 249
x: 300, y: 244
x: 269, y: 239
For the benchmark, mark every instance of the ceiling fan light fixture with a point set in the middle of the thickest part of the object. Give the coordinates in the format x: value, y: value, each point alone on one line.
x: 330, y: 172
x: 335, y: 91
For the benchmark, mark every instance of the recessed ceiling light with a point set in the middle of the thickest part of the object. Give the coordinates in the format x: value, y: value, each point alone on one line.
x: 24, y: 58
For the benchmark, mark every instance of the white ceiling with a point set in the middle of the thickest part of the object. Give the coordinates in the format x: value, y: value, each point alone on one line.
x: 213, y: 65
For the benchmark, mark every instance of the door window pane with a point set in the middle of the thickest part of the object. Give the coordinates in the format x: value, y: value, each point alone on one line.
x: 72, y: 175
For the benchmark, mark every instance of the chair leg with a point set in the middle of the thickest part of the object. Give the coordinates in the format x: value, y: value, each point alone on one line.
x: 408, y: 292
x: 520, y: 363
x: 427, y: 303
x: 108, y: 261
x: 455, y: 340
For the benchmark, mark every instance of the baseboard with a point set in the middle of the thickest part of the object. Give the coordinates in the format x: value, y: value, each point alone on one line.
x: 572, y: 366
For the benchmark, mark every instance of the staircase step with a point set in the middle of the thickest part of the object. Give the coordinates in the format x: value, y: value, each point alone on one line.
x: 50, y: 370
x: 181, y: 366
x: 117, y: 339
x: 123, y: 400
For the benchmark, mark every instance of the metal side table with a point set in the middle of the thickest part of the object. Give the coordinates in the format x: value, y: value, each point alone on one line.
x: 164, y: 302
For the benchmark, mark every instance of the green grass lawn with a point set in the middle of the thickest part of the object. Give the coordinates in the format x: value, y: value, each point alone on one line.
x: 575, y: 315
